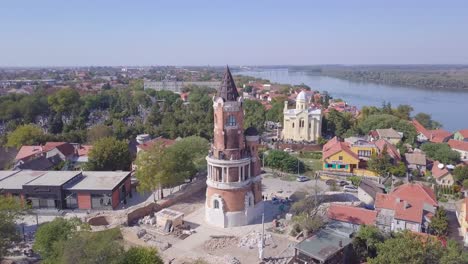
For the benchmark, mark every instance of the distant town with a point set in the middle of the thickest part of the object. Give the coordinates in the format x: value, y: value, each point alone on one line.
x: 203, y: 165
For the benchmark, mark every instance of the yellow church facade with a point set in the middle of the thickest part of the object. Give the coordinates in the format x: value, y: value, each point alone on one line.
x: 301, y: 123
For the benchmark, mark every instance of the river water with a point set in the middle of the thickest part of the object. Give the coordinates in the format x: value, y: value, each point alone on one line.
x: 447, y: 107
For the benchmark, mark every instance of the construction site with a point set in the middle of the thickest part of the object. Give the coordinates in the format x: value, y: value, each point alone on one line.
x: 176, y: 226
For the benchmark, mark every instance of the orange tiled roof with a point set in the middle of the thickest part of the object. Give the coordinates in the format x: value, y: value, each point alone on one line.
x: 164, y: 141
x: 407, y: 201
x: 330, y: 143
x: 84, y: 150
x: 351, y: 214
x: 416, y: 192
x: 439, y: 135
x: 337, y: 147
x: 420, y: 128
x: 28, y: 151
x: 391, y: 149
x: 464, y: 133
x: 438, y: 172
x: 457, y: 144
x: 51, y: 145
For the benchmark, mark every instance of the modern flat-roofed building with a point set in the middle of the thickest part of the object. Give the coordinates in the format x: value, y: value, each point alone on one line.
x: 68, y: 189
x: 99, y: 190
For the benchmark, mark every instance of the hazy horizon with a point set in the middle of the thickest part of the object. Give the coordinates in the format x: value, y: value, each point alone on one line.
x: 54, y: 33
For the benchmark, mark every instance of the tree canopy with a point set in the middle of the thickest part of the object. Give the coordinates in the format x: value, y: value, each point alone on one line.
x: 70, y: 241
x: 163, y: 167
x: 109, y: 154
x: 411, y: 248
x: 254, y: 115
x: 439, y: 223
x: 283, y: 161
x: 10, y: 211
x: 98, y: 132
x: 426, y: 121
x: 64, y: 100
x: 25, y: 135
x: 441, y: 152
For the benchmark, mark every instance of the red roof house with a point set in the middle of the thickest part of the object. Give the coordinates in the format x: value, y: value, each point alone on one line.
x: 351, y: 214
x: 159, y: 140
x: 410, y: 206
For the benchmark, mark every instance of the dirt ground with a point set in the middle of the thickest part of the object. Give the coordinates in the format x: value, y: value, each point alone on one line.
x: 221, y: 245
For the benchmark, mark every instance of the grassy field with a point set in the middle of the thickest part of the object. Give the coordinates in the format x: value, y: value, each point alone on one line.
x: 312, y: 160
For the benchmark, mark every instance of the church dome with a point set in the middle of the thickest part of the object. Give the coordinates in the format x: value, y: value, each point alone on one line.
x: 301, y: 96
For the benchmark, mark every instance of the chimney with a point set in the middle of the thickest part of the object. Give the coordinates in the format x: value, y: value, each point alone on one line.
x: 340, y: 243
x: 397, y: 199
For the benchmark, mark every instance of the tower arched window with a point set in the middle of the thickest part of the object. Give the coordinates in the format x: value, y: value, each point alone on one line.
x: 231, y: 120
x: 293, y: 124
x: 216, y: 204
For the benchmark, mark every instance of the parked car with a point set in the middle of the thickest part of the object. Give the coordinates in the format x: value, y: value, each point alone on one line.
x: 343, y: 183
x: 330, y: 182
x: 302, y: 178
x: 349, y: 188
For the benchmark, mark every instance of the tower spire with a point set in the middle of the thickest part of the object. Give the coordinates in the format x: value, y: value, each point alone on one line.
x: 227, y: 89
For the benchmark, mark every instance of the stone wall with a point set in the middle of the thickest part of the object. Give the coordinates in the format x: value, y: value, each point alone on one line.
x: 132, y: 214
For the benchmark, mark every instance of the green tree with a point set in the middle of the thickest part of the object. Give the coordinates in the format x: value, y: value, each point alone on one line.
x: 254, y: 115
x: 275, y: 113
x: 109, y: 154
x: 355, y: 180
x: 195, y: 148
x: 461, y: 174
x: 56, y: 124
x: 50, y: 235
x: 97, y: 132
x: 141, y: 255
x: 24, y: 135
x: 64, y: 100
x: 399, y: 170
x: 439, y: 223
x: 283, y: 161
x: 152, y: 173
x: 10, y: 211
x: 337, y: 123
x: 365, y: 242
x: 403, y: 248
x: 136, y: 84
x: 426, y: 121
x: 441, y: 152
x: 454, y: 254
x: 381, y: 121
x: 403, y: 111
x: 86, y: 247
x: 380, y: 163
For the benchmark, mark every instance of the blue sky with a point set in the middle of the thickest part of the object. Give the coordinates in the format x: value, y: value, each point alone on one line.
x: 69, y: 33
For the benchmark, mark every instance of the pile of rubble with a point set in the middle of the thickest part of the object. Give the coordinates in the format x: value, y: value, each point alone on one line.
x: 219, y: 242
x: 252, y: 239
x: 147, y: 220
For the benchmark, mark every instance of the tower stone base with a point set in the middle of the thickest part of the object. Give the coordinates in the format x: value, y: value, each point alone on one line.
x: 219, y: 218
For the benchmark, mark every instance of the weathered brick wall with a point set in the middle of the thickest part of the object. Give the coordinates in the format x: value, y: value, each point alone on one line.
x: 134, y: 215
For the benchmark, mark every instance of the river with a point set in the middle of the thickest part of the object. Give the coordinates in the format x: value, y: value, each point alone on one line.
x: 447, y: 107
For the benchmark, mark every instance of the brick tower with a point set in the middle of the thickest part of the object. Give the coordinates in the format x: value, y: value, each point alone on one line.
x: 233, y: 194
